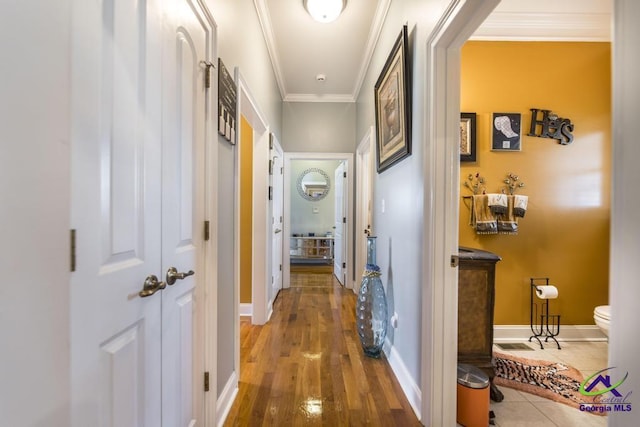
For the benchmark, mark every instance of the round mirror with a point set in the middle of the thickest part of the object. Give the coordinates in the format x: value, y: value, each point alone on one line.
x: 313, y: 184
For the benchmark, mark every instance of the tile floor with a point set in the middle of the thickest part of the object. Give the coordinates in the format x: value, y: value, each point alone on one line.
x: 520, y: 409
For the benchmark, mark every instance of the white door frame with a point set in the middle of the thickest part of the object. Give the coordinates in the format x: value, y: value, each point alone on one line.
x: 261, y: 251
x: 441, y: 183
x: 364, y: 198
x: 347, y: 232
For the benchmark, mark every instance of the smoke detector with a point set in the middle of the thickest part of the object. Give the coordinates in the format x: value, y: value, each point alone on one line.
x: 321, y: 77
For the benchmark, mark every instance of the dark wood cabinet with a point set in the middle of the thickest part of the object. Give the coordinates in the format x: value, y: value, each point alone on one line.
x: 476, y: 296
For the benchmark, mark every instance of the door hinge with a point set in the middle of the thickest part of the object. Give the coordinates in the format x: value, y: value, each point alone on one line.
x: 270, y: 141
x: 344, y: 265
x: 280, y: 267
x: 206, y: 381
x: 72, y: 249
x: 207, y: 232
x: 344, y: 174
x: 344, y: 219
x: 270, y: 167
x: 270, y: 193
x: 455, y: 260
x: 207, y: 73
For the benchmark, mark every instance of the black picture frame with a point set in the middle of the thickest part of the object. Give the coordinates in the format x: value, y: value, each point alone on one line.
x: 467, y: 137
x: 506, y: 132
x: 393, y: 106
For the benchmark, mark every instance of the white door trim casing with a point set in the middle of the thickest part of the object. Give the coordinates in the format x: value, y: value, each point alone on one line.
x: 261, y: 252
x: 286, y: 259
x: 208, y: 292
x: 441, y: 184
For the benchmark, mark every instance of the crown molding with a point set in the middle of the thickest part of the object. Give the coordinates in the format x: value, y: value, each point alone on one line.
x: 374, y: 36
x: 267, y: 30
x: 514, y: 26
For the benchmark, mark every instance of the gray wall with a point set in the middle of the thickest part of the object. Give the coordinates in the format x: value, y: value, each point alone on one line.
x: 321, y: 127
x: 400, y: 228
x: 240, y: 44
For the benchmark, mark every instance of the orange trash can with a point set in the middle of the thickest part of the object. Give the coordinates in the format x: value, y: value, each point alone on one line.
x: 472, y: 409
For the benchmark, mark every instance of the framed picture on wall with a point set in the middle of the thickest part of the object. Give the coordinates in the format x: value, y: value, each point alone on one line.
x: 467, y: 137
x: 506, y: 132
x: 393, y: 106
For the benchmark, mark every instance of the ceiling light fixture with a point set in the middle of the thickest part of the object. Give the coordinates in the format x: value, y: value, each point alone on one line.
x: 325, y: 10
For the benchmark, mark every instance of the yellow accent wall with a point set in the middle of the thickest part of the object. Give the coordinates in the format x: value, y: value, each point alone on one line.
x: 246, y: 209
x: 565, y: 232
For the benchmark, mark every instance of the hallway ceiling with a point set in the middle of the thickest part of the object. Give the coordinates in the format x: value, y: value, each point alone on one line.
x: 301, y: 48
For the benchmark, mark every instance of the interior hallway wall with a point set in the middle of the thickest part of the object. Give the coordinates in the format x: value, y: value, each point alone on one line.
x: 240, y: 44
x: 565, y: 232
x: 399, y: 199
x: 319, y: 127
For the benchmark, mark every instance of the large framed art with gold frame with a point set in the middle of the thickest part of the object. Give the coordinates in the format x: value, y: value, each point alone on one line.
x: 393, y: 106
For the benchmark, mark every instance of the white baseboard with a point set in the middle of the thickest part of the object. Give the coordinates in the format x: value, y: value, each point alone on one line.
x: 246, y: 309
x: 225, y: 401
x: 511, y: 333
x: 407, y: 383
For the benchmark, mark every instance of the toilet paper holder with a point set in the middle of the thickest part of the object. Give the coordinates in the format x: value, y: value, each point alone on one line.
x: 549, y: 324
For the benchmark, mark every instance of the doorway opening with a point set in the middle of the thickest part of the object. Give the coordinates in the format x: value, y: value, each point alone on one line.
x: 318, y: 212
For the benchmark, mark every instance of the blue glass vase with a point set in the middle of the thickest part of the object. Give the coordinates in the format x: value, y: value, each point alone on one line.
x: 371, y: 307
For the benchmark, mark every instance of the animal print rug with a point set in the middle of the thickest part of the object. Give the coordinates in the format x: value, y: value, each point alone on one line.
x: 551, y: 380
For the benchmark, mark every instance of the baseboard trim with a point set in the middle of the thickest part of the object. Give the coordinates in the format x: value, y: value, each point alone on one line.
x: 511, y: 333
x: 246, y: 309
x: 225, y: 401
x: 409, y: 386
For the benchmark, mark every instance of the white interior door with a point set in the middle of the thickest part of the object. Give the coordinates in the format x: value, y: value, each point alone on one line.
x: 277, y: 184
x: 137, y: 166
x: 183, y: 167
x: 340, y: 219
x: 116, y: 211
x: 364, y: 185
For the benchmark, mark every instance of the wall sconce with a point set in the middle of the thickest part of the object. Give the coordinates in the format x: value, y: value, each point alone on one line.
x: 325, y: 10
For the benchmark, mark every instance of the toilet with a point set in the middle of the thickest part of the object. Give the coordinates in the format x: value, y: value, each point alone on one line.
x: 602, y: 317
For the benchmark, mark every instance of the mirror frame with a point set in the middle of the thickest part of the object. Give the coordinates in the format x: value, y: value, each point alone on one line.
x: 303, y: 193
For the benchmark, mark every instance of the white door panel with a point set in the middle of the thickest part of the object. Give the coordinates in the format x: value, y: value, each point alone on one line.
x: 138, y: 131
x: 340, y: 215
x: 364, y: 194
x: 182, y: 205
x: 277, y: 183
x: 115, y: 211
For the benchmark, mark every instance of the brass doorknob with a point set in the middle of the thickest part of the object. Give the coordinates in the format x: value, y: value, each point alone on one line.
x: 173, y: 275
x: 151, y: 286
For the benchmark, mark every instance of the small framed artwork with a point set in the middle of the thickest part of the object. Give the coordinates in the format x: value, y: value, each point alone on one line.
x: 467, y: 137
x: 393, y: 106
x: 506, y: 132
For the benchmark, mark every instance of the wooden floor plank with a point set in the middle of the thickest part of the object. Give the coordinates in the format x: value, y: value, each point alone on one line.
x: 306, y: 367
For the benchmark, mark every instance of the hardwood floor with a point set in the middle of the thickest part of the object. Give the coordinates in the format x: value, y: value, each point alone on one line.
x: 305, y: 367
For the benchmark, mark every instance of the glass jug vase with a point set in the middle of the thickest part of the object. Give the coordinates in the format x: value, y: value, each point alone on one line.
x: 371, y: 307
